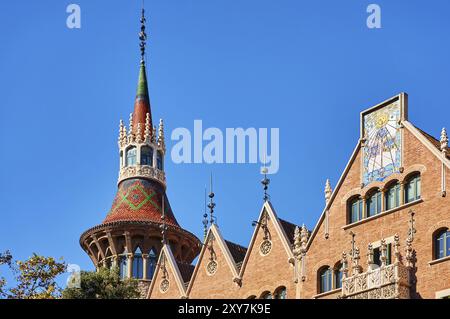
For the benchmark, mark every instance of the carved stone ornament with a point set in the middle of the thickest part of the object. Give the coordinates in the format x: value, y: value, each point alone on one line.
x: 211, y: 267
x: 164, y: 285
x: 266, y: 247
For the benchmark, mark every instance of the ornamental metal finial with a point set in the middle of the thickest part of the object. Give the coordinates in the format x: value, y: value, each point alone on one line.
x: 211, y: 205
x: 205, y: 220
x: 143, y: 36
x: 265, y: 181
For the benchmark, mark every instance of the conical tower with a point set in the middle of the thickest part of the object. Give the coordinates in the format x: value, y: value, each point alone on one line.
x: 140, y: 218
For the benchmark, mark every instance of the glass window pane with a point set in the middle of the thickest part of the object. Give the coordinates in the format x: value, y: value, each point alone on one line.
x: 146, y: 156
x: 447, y: 243
x: 418, y: 187
x: 159, y: 161
x: 131, y: 156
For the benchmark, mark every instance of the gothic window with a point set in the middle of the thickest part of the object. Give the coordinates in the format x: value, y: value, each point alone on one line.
x: 355, y: 209
x: 121, y: 158
x: 280, y: 293
x: 131, y: 156
x: 159, y: 160
x: 138, y: 264
x: 373, y: 204
x: 393, y: 196
x: 442, y: 243
x: 251, y: 297
x: 412, y: 189
x: 151, y: 263
x: 338, y: 276
x: 266, y: 295
x: 147, y: 156
x: 123, y: 266
x: 326, y: 279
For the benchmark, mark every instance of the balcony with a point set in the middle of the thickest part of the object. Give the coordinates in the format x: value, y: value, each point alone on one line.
x: 386, y: 282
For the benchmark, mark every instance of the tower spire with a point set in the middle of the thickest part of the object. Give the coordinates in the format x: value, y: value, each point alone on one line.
x: 142, y: 102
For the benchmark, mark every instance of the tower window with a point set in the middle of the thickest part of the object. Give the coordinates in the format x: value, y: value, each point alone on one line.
x: 355, y: 209
x: 159, y: 160
x: 147, y: 156
x: 374, y: 204
x: 131, y: 156
x: 413, y: 189
x: 123, y: 267
x: 151, y: 263
x: 137, y: 264
x: 393, y: 196
x: 442, y: 244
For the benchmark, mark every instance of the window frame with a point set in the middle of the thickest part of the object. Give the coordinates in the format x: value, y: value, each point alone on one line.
x: 128, y: 157
x: 444, y: 235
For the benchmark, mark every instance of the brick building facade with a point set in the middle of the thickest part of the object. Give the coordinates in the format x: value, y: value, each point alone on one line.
x: 384, y: 231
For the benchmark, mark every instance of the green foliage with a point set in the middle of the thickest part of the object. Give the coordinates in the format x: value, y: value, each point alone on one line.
x: 35, y: 277
x: 103, y: 284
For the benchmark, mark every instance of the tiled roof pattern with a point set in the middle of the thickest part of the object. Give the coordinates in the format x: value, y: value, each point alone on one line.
x: 186, y: 271
x: 289, y: 229
x: 433, y: 141
x: 140, y: 200
x: 237, y: 251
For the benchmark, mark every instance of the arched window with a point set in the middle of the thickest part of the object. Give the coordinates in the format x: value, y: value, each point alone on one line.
x: 325, y: 279
x: 442, y: 244
x: 138, y: 264
x: 412, y: 189
x: 251, y: 297
x: 266, y: 295
x: 121, y: 158
x: 151, y: 263
x: 147, y: 155
x: 159, y: 160
x: 355, y: 207
x: 338, y: 276
x: 130, y: 156
x: 393, y: 196
x: 280, y: 293
x: 123, y: 265
x: 373, y: 204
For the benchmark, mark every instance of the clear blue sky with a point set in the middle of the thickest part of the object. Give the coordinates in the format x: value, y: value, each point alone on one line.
x: 307, y: 67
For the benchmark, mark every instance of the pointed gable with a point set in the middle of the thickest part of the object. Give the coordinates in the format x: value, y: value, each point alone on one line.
x: 216, y: 273
x: 168, y: 281
x: 269, y: 249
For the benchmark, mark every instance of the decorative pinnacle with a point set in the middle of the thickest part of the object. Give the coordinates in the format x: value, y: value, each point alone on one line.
x: 143, y: 36
x: 147, y: 131
x: 161, y: 134
x: 328, y: 191
x: 444, y: 140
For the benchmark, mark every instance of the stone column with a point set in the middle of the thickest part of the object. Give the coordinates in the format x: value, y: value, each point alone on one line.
x: 402, y: 193
x: 129, y: 265
x: 383, y: 199
x: 114, y: 261
x: 364, y: 208
x: 144, y: 268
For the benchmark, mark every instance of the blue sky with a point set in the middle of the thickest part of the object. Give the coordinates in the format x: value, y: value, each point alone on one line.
x: 306, y: 67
